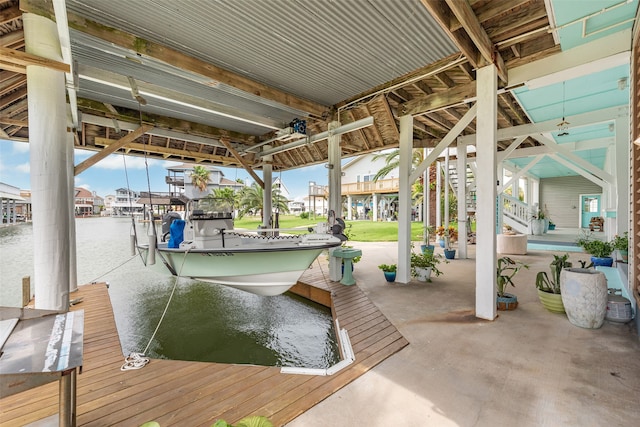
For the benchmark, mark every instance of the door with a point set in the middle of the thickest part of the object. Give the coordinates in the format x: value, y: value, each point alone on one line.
x: 590, y: 205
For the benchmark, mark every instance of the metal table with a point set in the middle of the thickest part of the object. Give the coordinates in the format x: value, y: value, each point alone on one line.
x: 38, y: 347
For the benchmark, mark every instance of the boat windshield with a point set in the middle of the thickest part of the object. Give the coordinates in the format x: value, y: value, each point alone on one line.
x: 211, y: 207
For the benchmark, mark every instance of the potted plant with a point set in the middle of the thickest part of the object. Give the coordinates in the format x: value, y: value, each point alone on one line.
x: 423, y: 265
x: 440, y: 231
x: 552, y: 225
x: 451, y: 235
x: 389, y: 271
x: 537, y: 223
x: 506, y: 269
x: 599, y: 250
x: 427, y: 246
x: 549, y: 287
x: 621, y: 244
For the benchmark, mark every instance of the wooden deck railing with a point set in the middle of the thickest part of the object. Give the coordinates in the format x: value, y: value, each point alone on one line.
x: 391, y: 185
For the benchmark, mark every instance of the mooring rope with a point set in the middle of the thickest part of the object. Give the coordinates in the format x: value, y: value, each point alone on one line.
x: 114, y: 268
x: 139, y: 360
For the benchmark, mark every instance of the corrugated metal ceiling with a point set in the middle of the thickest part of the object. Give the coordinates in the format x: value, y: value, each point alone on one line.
x: 342, y: 50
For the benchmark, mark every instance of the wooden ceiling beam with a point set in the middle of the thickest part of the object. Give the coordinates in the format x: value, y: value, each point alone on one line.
x: 437, y: 100
x: 245, y: 165
x: 10, y: 14
x: 9, y: 57
x: 13, y: 40
x: 465, y: 14
x: 138, y: 149
x: 110, y: 149
x: 445, y: 18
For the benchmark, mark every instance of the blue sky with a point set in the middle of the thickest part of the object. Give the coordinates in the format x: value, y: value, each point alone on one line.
x: 109, y: 174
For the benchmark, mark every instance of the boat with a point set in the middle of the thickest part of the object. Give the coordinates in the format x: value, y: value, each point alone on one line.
x: 205, y: 246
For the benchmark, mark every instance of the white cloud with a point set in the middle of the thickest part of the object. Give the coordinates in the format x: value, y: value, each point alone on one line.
x: 20, y: 147
x: 23, y: 167
x: 115, y: 162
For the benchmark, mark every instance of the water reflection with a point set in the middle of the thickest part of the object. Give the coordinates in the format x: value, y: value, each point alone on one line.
x: 218, y: 324
x: 204, y: 322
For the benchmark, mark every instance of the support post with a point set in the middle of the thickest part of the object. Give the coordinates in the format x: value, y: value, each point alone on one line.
x: 48, y: 161
x: 73, y: 266
x: 461, y: 165
x: 486, y: 143
x: 335, y: 170
x: 267, y: 205
x: 404, y: 200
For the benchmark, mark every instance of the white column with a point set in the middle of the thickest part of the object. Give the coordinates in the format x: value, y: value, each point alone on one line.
x: 375, y: 207
x: 446, y: 189
x: 461, y: 165
x: 349, y: 207
x: 267, y: 205
x: 48, y: 161
x: 427, y: 191
x: 73, y: 266
x: 622, y: 174
x: 404, y: 200
x: 486, y: 124
x: 335, y: 171
x: 438, y: 194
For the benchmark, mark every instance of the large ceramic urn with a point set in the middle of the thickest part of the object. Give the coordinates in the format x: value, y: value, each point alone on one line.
x: 584, y: 295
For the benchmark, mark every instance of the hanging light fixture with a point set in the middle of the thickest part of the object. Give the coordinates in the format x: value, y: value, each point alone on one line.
x: 563, y: 126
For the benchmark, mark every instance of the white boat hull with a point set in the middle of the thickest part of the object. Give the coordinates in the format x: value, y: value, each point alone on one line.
x: 266, y: 271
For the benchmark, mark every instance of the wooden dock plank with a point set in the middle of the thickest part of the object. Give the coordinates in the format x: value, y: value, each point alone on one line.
x: 197, y: 393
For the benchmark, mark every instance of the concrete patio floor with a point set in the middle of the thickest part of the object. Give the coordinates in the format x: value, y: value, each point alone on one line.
x: 528, y: 367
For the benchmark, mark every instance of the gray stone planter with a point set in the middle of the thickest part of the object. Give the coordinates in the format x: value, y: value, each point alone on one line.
x: 584, y: 295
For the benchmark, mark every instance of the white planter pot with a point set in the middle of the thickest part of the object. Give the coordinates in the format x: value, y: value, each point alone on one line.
x: 584, y: 295
x: 423, y: 274
x: 537, y: 227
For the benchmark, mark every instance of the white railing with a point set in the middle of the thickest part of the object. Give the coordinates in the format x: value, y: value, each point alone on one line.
x: 516, y: 211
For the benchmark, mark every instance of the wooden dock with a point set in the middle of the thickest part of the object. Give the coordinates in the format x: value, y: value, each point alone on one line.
x: 196, y: 393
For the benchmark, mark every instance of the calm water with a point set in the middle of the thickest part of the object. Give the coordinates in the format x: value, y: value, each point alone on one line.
x: 204, y: 322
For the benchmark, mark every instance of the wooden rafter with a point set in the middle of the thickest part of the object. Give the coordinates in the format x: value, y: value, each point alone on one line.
x: 245, y: 165
x: 436, y: 100
x: 467, y: 17
x: 10, y: 14
x: 473, y: 42
x: 112, y: 148
x: 17, y: 61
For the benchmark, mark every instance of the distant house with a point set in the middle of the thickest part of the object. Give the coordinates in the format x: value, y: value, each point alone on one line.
x: 179, y: 180
x: 366, y: 198
x: 87, y: 203
x: 11, y: 204
x: 109, y: 200
x: 125, y: 203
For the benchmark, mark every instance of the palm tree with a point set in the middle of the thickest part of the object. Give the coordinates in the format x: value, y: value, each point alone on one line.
x: 200, y: 177
x: 252, y: 199
x: 227, y: 194
x: 392, y: 160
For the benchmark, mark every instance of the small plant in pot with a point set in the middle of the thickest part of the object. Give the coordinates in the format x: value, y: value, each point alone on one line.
x: 506, y: 269
x: 426, y: 245
x: 389, y: 271
x: 599, y: 250
x: 621, y: 244
x: 549, y: 287
x: 423, y: 265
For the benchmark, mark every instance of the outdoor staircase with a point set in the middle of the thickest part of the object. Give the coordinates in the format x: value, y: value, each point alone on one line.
x: 515, y: 213
x: 469, y: 180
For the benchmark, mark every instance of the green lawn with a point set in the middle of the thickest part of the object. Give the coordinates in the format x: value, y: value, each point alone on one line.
x: 360, y: 231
